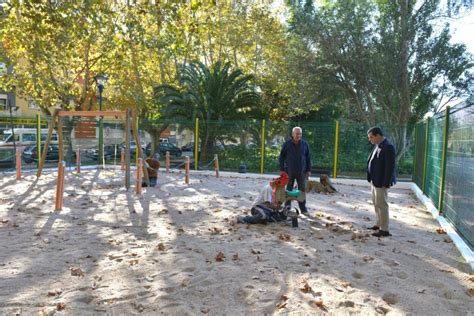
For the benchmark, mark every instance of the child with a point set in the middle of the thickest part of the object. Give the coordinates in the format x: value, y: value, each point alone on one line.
x: 152, y: 165
x: 268, y: 203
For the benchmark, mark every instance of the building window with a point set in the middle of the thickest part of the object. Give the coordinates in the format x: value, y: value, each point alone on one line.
x: 3, y: 68
x: 33, y: 105
x: 3, y: 102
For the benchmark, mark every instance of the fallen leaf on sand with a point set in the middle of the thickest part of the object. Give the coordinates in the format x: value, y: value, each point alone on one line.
x: 180, y: 230
x: 4, y: 221
x: 440, y: 230
x: 133, y: 262
x: 163, y: 211
x: 470, y: 292
x: 77, y: 272
x: 235, y: 257
x: 220, y: 256
x: 284, y: 237
x: 281, y: 305
x: 161, y: 247
x: 255, y: 252
x: 60, y: 306
x: 217, y: 210
x: 446, y: 270
x: 205, y: 310
x: 215, y: 230
x: 306, y: 288
x: 471, y: 279
x: 284, y: 298
x: 54, y: 293
x: 319, y: 303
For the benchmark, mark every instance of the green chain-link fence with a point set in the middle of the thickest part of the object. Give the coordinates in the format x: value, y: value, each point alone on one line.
x: 444, y: 165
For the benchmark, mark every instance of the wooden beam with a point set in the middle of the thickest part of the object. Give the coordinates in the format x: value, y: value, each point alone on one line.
x: 46, y: 144
x: 92, y: 113
x: 139, y: 146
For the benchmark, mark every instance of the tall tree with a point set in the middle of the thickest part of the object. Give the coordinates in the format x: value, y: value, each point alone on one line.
x: 387, y: 58
x: 211, y: 94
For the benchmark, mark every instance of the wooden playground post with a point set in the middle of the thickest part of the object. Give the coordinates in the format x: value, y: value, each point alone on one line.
x: 46, y: 144
x: 122, y: 159
x: 78, y: 159
x: 216, y: 165
x: 60, y: 186
x: 60, y: 138
x: 167, y: 162
x: 138, y: 186
x: 127, y: 149
x: 139, y: 146
x: 186, y: 168
x: 18, y: 164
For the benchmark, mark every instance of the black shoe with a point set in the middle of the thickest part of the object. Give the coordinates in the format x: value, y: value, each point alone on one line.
x: 375, y: 227
x: 382, y: 233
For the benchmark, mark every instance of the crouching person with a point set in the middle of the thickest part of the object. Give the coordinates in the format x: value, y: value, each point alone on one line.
x: 266, y: 208
x: 152, y: 165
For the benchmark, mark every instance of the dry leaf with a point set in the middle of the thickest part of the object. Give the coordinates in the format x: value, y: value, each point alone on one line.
x: 470, y: 292
x: 54, y: 293
x: 284, y: 298
x: 4, y: 221
x: 161, y: 247
x: 77, y: 272
x: 284, y: 237
x: 60, y: 306
x: 235, y: 257
x: 471, y: 279
x: 217, y: 210
x: 440, y: 230
x: 446, y: 270
x: 329, y: 224
x: 281, y: 305
x: 133, y: 262
x: 163, y: 211
x: 205, y: 310
x: 180, y: 230
x: 215, y: 230
x: 255, y: 252
x: 220, y: 256
x: 306, y: 288
x: 319, y: 303
x: 368, y: 258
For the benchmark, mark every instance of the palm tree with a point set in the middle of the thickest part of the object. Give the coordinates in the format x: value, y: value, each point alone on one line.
x: 211, y: 94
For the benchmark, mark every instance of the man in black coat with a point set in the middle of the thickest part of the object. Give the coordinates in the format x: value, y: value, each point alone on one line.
x: 295, y: 159
x: 381, y: 173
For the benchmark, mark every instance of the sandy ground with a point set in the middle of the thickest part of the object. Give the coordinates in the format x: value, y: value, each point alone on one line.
x: 176, y: 251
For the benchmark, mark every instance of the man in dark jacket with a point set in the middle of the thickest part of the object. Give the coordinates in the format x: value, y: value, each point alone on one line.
x: 295, y: 159
x: 381, y: 173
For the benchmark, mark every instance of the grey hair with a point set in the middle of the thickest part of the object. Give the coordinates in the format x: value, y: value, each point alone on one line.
x: 296, y: 128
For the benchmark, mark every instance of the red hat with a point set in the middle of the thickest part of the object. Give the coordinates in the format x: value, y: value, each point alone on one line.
x: 282, y: 180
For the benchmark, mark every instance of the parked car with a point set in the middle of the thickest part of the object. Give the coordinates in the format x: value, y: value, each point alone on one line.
x: 110, y: 152
x: 164, y: 147
x: 190, y: 147
x: 133, y: 147
x: 30, y: 154
x: 173, y: 149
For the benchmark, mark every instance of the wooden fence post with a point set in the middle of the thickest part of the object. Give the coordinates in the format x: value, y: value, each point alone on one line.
x: 216, y: 165
x: 186, y: 170
x: 60, y: 186
x: 167, y: 162
x: 18, y: 164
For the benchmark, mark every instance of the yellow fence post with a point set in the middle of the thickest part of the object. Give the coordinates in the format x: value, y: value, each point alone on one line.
x: 425, y: 161
x: 38, y: 138
x: 336, y: 149
x: 443, y: 161
x: 196, y: 145
x: 262, y: 158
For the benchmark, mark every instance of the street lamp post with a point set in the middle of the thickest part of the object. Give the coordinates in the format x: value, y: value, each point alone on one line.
x: 101, y: 79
